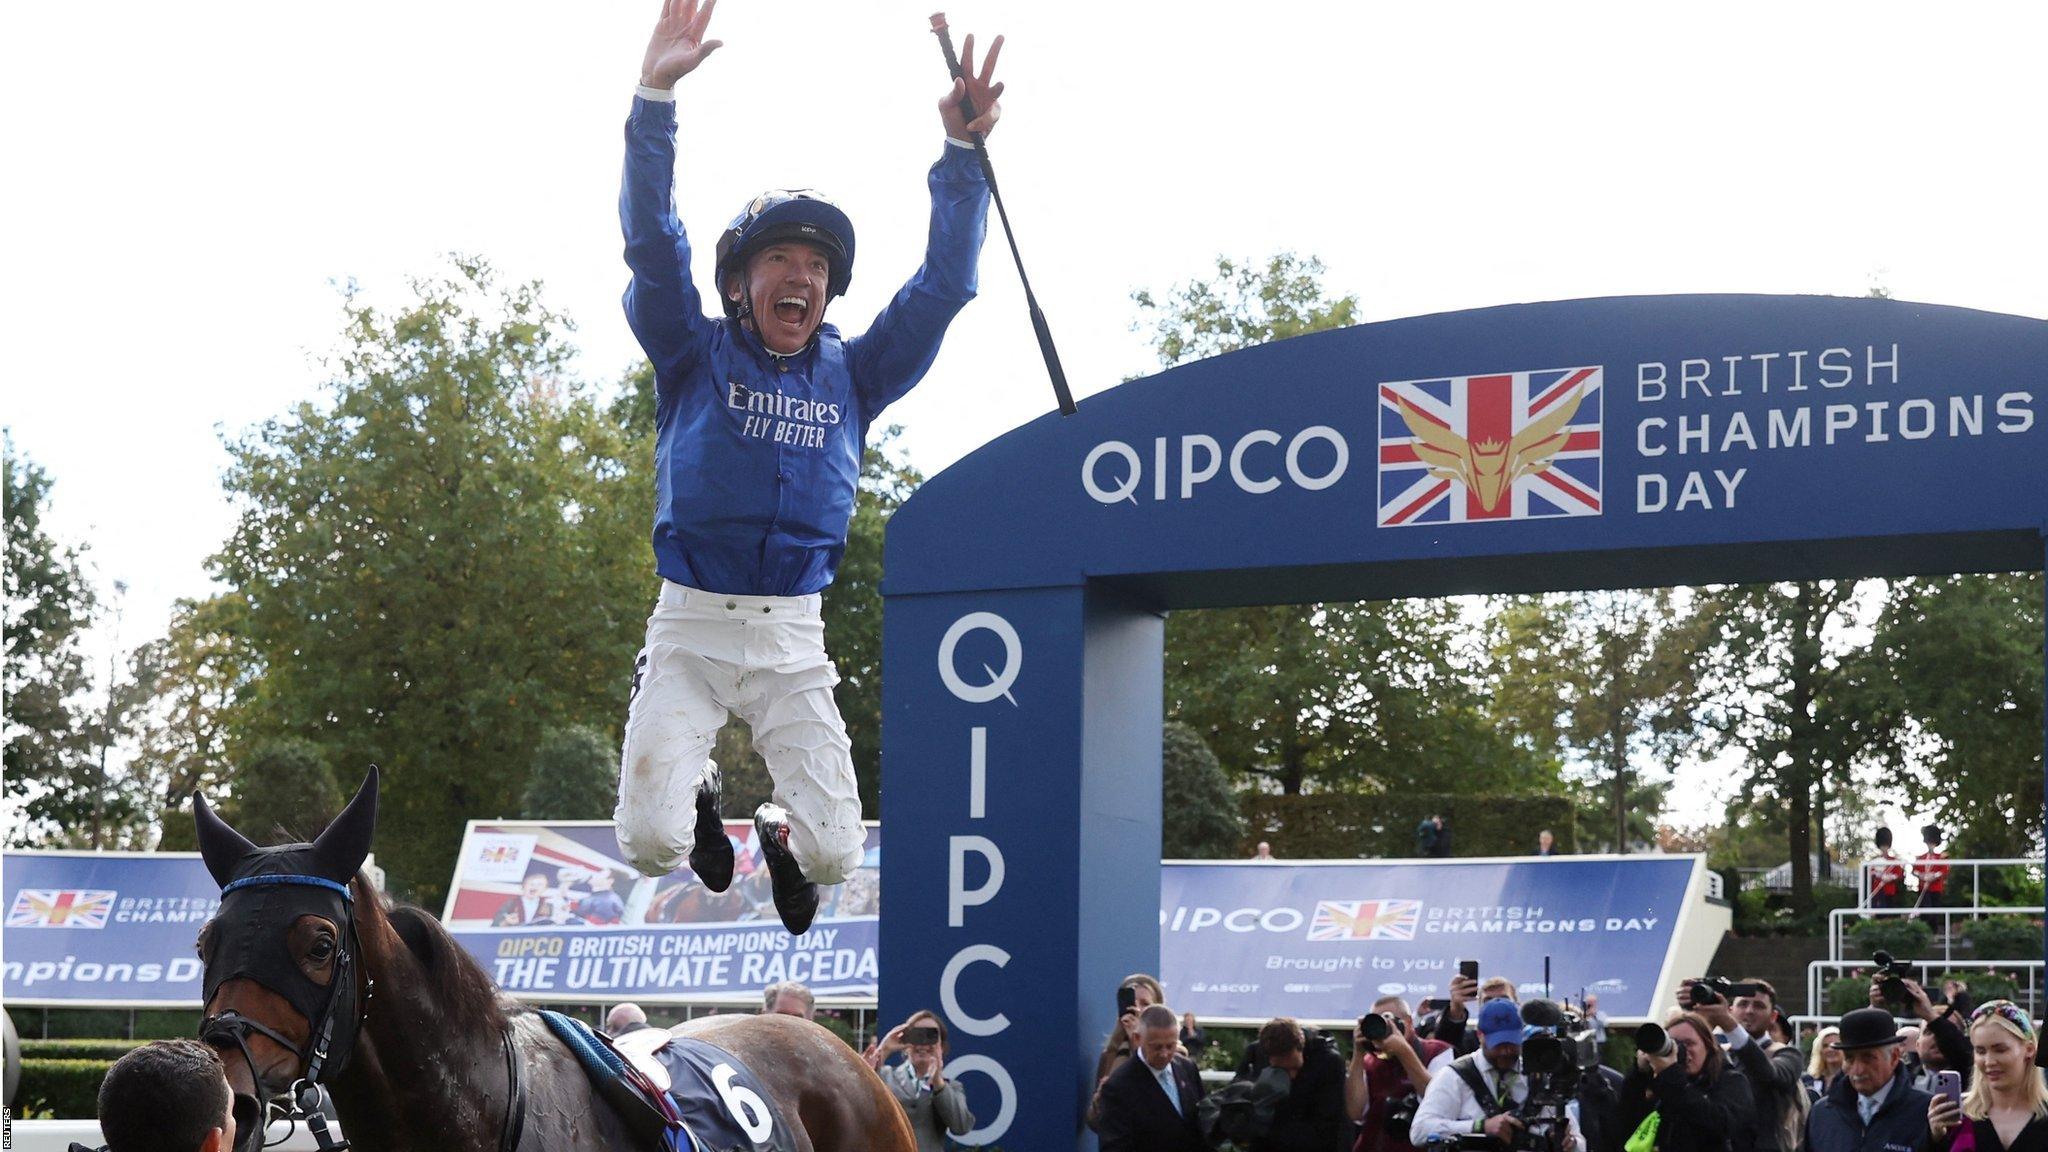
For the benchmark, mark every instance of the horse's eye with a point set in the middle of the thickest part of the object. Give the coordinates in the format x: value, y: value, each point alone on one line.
x: 321, y: 950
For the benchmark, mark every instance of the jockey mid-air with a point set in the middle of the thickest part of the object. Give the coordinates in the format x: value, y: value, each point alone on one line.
x: 761, y: 415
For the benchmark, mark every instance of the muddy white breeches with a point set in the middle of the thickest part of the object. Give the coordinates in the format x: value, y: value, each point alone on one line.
x: 762, y: 657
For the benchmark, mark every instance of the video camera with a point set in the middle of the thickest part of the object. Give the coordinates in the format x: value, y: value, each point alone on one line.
x: 1891, y: 976
x: 1718, y: 990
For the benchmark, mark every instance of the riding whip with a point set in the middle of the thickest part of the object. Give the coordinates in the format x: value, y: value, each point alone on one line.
x: 1038, y: 325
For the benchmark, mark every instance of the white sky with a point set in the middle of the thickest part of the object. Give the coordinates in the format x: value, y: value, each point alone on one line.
x: 185, y: 183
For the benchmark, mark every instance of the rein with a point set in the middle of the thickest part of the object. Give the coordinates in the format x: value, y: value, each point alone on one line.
x: 231, y: 1028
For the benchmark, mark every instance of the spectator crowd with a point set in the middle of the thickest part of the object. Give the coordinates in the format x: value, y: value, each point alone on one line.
x: 1483, y: 1070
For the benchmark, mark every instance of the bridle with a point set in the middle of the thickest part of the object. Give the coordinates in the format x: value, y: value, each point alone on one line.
x: 231, y: 1029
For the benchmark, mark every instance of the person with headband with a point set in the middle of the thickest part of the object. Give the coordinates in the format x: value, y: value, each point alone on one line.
x: 2006, y: 1109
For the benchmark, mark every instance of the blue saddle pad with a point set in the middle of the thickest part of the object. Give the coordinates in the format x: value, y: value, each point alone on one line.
x: 724, y: 1106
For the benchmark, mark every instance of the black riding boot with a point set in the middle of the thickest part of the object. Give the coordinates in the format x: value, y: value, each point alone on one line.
x: 711, y: 858
x: 796, y: 899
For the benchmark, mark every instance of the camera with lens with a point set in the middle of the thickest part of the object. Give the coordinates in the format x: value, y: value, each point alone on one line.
x: 1375, y: 1027
x: 1717, y: 990
x: 1554, y: 1061
x: 1891, y: 976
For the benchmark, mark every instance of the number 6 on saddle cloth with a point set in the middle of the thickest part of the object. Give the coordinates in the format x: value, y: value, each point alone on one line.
x: 675, y: 1091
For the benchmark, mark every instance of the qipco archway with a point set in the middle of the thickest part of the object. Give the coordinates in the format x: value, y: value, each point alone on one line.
x: 1585, y: 444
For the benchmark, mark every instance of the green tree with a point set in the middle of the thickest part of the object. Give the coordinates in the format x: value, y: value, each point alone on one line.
x: 1963, y: 655
x: 1203, y: 821
x: 574, y: 776
x: 180, y: 703
x: 52, y: 728
x: 1368, y: 696
x: 443, y: 561
x: 1607, y: 677
x: 1801, y: 699
x: 1245, y: 304
x: 285, y: 793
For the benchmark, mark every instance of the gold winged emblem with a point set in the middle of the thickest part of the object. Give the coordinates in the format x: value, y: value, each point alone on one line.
x: 1490, y: 468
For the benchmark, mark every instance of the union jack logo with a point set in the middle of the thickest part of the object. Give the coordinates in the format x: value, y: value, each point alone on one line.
x: 1365, y: 920
x: 1509, y: 446
x: 60, y: 908
x: 498, y: 854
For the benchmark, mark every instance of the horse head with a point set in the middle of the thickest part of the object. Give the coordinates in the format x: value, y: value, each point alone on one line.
x: 284, y: 984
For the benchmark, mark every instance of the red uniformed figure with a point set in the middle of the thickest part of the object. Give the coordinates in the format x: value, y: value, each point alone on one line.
x: 1930, y: 870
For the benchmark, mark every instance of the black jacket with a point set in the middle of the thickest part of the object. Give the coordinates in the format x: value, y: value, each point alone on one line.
x: 1899, y: 1126
x: 1311, y: 1118
x: 1135, y: 1116
x: 1774, y: 1080
x: 1716, y: 1117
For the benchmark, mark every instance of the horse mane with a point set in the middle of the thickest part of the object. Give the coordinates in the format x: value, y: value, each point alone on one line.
x: 456, y: 986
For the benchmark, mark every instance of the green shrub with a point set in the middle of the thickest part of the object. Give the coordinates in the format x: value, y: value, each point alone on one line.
x: 1903, y: 938
x: 1985, y: 985
x: 1226, y: 1047
x: 1846, y: 993
x: 2004, y: 938
x: 65, y: 1089
x: 107, y: 1050
x: 1759, y: 912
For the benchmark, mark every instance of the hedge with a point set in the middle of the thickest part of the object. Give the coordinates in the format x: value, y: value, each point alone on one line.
x: 107, y: 1050
x: 1904, y: 939
x: 61, y: 1089
x: 1346, y: 825
x: 2004, y: 938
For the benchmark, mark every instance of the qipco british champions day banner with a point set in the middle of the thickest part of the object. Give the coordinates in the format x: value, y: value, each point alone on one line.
x: 1323, y: 941
x: 105, y: 929
x: 553, y: 912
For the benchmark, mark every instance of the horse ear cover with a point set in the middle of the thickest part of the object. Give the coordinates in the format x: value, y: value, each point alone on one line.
x: 339, y: 851
x: 220, y: 845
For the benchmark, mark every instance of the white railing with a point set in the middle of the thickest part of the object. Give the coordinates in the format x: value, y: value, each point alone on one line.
x: 1839, y: 917
x: 1976, y: 868
x: 1816, y: 979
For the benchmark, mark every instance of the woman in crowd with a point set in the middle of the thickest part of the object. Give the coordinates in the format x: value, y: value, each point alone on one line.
x: 1825, y: 1065
x: 934, y: 1104
x: 2007, y: 1108
x: 1689, y: 1100
x: 1123, y: 1039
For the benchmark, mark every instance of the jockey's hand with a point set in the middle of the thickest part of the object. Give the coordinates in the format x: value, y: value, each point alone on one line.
x: 677, y: 45
x: 983, y: 91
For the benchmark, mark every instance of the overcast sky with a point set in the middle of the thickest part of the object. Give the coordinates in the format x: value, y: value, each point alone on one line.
x: 187, y: 183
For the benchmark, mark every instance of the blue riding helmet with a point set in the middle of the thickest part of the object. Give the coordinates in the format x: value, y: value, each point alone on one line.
x: 779, y: 217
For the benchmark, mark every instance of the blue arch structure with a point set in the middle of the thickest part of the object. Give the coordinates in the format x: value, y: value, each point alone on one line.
x: 1611, y: 443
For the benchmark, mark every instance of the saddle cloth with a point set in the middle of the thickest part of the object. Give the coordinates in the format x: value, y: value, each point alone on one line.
x: 722, y: 1106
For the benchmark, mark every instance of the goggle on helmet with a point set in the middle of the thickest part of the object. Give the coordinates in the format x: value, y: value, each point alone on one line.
x: 790, y: 214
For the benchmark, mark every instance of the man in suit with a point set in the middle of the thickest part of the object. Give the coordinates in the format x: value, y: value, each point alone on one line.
x: 1148, y: 1104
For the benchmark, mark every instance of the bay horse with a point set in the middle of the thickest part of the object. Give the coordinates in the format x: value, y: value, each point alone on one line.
x: 312, y: 976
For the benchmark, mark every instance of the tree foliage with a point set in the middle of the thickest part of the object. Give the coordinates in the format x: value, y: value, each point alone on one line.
x: 1245, y: 304
x: 286, y: 793
x: 180, y: 705
x: 1202, y: 819
x: 574, y: 776
x: 52, y: 729
x: 442, y: 562
x: 1608, y: 678
x: 1801, y: 699
x: 1961, y: 656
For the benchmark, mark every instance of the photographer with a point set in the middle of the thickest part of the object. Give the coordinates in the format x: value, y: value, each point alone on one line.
x: 1941, y: 1044
x: 1135, y: 993
x: 1597, y: 1088
x: 1390, y: 1069
x: 1744, y: 1012
x: 933, y: 1104
x: 1483, y: 1094
x: 1687, y: 1091
x: 1310, y: 1118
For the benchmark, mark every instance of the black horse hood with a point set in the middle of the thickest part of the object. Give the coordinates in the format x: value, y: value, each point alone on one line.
x: 266, y: 890
x: 337, y: 854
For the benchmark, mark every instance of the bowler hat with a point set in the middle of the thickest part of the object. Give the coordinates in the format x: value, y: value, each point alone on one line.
x: 1867, y: 1028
